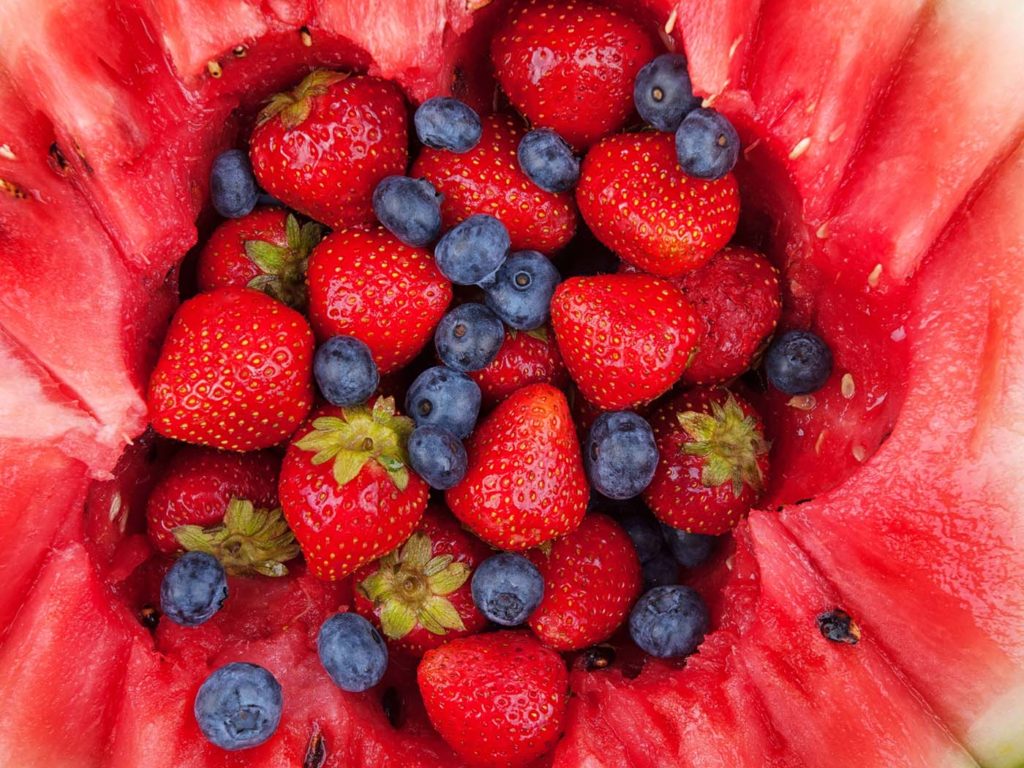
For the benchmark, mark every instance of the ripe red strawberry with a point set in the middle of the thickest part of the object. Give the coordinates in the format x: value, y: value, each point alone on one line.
x: 235, y: 372
x: 736, y: 295
x: 713, y: 463
x: 591, y: 580
x: 625, y: 338
x: 266, y: 250
x: 525, y: 358
x: 525, y: 484
x: 569, y: 65
x: 419, y: 594
x: 498, y: 699
x: 637, y: 200
x: 323, y: 147
x: 371, y: 285
x: 488, y: 179
x: 345, y: 487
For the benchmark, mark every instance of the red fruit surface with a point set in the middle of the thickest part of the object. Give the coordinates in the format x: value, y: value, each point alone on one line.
x: 524, y: 358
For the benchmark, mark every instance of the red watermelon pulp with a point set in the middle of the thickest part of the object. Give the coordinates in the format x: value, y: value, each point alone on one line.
x: 884, y: 172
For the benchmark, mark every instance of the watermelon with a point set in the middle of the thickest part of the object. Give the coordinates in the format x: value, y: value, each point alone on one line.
x: 883, y: 172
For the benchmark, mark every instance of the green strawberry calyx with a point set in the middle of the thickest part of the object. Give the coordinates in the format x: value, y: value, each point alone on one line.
x: 359, y: 435
x: 284, y: 267
x: 294, y: 106
x: 730, y: 442
x: 410, y: 587
x: 249, y: 541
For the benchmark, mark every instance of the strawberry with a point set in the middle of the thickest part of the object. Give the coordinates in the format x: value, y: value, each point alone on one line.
x: 524, y: 358
x: 371, y: 285
x: 569, y: 65
x: 525, y: 483
x: 345, y: 487
x: 419, y: 595
x: 625, y: 338
x: 323, y: 147
x: 714, y: 460
x: 266, y: 250
x: 736, y: 295
x: 235, y: 371
x: 637, y: 200
x: 498, y: 699
x: 591, y: 579
x: 488, y: 179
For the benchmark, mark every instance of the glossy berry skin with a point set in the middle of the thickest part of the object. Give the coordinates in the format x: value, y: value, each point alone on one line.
x: 444, y: 398
x: 548, y: 160
x: 438, y: 456
x: 446, y: 123
x: 520, y: 293
x: 525, y: 484
x: 570, y: 65
x: 662, y: 92
x: 798, y: 363
x: 498, y: 699
x: 232, y: 184
x: 625, y: 338
x: 707, y: 145
x: 468, y: 337
x: 639, y: 203
x: 352, y: 651
x: 409, y: 208
x: 620, y: 454
x: 329, y: 143
x: 193, y: 589
x: 669, y: 622
x: 488, y: 179
x: 370, y: 285
x: 689, y: 549
x: 524, y: 358
x: 238, y: 706
x: 235, y: 372
x: 344, y: 371
x: 591, y: 578
x: 737, y: 297
x: 507, y: 588
x: 473, y: 250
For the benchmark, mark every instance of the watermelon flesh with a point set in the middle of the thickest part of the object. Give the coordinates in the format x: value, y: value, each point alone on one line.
x: 896, y: 223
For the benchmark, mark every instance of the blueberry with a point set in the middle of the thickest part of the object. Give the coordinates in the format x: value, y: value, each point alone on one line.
x: 521, y: 291
x: 706, y: 144
x: 798, y: 362
x: 548, y: 160
x: 471, y: 252
x: 669, y: 622
x: 663, y: 93
x: 645, y: 532
x: 438, y: 456
x: 233, y: 188
x: 345, y: 371
x: 621, y: 454
x: 238, y: 706
x: 446, y: 123
x: 444, y: 398
x: 352, y: 651
x: 689, y: 549
x: 409, y: 208
x: 662, y: 570
x: 507, y: 588
x: 468, y: 337
x: 194, y: 589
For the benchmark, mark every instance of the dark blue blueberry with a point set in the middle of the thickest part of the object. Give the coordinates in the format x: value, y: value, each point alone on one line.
x: 345, y: 371
x: 194, y: 589
x: 352, y: 651
x: 521, y: 291
x: 409, y: 208
x: 548, y: 160
x: 621, y: 454
x: 468, y: 337
x: 669, y: 622
x: 662, y: 570
x: 706, y: 144
x: 689, y: 549
x: 239, y: 706
x: 798, y: 363
x: 446, y: 123
x: 471, y: 252
x: 444, y: 398
x: 645, y: 532
x: 663, y: 93
x: 438, y: 456
x: 269, y: 201
x: 507, y: 588
x: 233, y: 188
